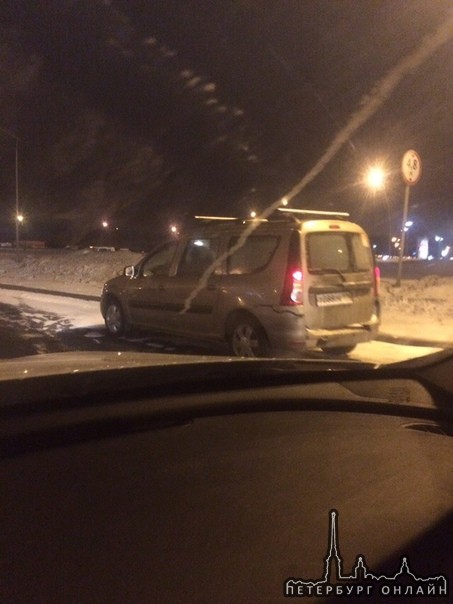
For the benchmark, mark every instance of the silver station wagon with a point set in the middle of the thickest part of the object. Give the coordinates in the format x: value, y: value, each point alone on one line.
x: 298, y: 280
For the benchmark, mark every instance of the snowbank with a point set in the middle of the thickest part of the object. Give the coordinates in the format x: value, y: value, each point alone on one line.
x: 420, y: 308
x: 81, y: 271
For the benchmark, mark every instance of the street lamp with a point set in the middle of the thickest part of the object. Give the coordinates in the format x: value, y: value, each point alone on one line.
x: 375, y: 178
x: 19, y: 221
x: 17, y: 187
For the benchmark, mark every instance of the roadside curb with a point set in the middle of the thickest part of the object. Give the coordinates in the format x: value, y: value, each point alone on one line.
x: 390, y: 339
x: 38, y: 290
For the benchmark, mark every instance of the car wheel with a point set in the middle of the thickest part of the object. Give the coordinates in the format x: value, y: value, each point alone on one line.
x: 114, y: 318
x: 247, y: 338
x: 338, y: 350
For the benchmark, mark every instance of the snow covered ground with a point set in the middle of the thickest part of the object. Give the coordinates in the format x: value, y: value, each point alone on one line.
x: 76, y: 313
x: 419, y: 309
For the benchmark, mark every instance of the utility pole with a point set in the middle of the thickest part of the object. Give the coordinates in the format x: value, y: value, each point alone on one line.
x: 17, y: 201
x: 17, y: 214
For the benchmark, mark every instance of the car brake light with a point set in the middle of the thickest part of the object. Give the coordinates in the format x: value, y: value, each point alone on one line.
x: 293, y: 292
x: 377, y: 280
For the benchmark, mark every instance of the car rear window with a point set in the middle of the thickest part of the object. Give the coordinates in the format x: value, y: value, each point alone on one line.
x: 253, y: 256
x: 338, y: 252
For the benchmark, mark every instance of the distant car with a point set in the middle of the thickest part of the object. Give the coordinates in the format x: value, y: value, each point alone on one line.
x: 297, y: 281
x: 103, y: 248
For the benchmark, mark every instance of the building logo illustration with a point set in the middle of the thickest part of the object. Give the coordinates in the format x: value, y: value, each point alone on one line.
x: 362, y: 581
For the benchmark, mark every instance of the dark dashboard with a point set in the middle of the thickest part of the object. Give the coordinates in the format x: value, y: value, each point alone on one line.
x: 225, y: 495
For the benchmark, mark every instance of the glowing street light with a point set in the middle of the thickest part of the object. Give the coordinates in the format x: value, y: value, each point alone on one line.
x: 20, y: 218
x: 105, y: 224
x: 174, y: 230
x: 375, y: 178
x: 253, y: 214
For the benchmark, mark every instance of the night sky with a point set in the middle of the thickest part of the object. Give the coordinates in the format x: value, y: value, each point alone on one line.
x: 148, y: 111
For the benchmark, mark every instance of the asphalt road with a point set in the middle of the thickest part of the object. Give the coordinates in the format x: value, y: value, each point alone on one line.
x: 24, y: 333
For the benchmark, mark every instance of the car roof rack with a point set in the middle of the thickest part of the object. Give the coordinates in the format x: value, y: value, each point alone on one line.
x: 280, y: 214
x: 294, y: 212
x: 217, y: 218
x: 229, y: 219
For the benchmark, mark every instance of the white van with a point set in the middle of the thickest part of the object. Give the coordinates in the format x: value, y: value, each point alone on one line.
x: 299, y: 280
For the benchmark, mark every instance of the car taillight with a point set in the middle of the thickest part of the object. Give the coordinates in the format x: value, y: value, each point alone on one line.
x: 377, y: 280
x: 293, y: 292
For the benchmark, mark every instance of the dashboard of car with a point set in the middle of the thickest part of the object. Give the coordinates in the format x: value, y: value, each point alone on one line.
x: 228, y: 494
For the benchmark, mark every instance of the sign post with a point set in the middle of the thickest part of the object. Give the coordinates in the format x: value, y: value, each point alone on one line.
x: 411, y: 168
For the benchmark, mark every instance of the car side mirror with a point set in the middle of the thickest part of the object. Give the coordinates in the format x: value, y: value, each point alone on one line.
x: 130, y: 271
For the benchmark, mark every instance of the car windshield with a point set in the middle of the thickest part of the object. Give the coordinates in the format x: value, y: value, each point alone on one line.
x: 147, y: 146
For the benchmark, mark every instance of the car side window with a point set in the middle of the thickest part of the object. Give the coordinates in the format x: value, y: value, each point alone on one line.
x: 253, y: 256
x: 198, y: 256
x: 159, y: 263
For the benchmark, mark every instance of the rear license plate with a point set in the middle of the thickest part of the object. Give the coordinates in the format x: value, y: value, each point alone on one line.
x: 334, y: 299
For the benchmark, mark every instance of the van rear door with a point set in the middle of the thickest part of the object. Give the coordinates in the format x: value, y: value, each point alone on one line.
x: 338, y: 275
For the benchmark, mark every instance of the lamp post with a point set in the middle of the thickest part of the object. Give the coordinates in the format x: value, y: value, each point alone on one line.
x: 18, y: 217
x: 374, y: 179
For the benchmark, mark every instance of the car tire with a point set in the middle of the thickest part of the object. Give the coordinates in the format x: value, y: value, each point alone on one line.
x: 114, y: 318
x: 338, y: 350
x: 246, y: 338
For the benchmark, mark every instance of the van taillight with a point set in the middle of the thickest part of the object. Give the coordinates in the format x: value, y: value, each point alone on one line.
x: 293, y: 292
x: 377, y: 280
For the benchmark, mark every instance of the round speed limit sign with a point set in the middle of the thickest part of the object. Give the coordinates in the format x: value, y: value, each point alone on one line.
x: 411, y: 167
